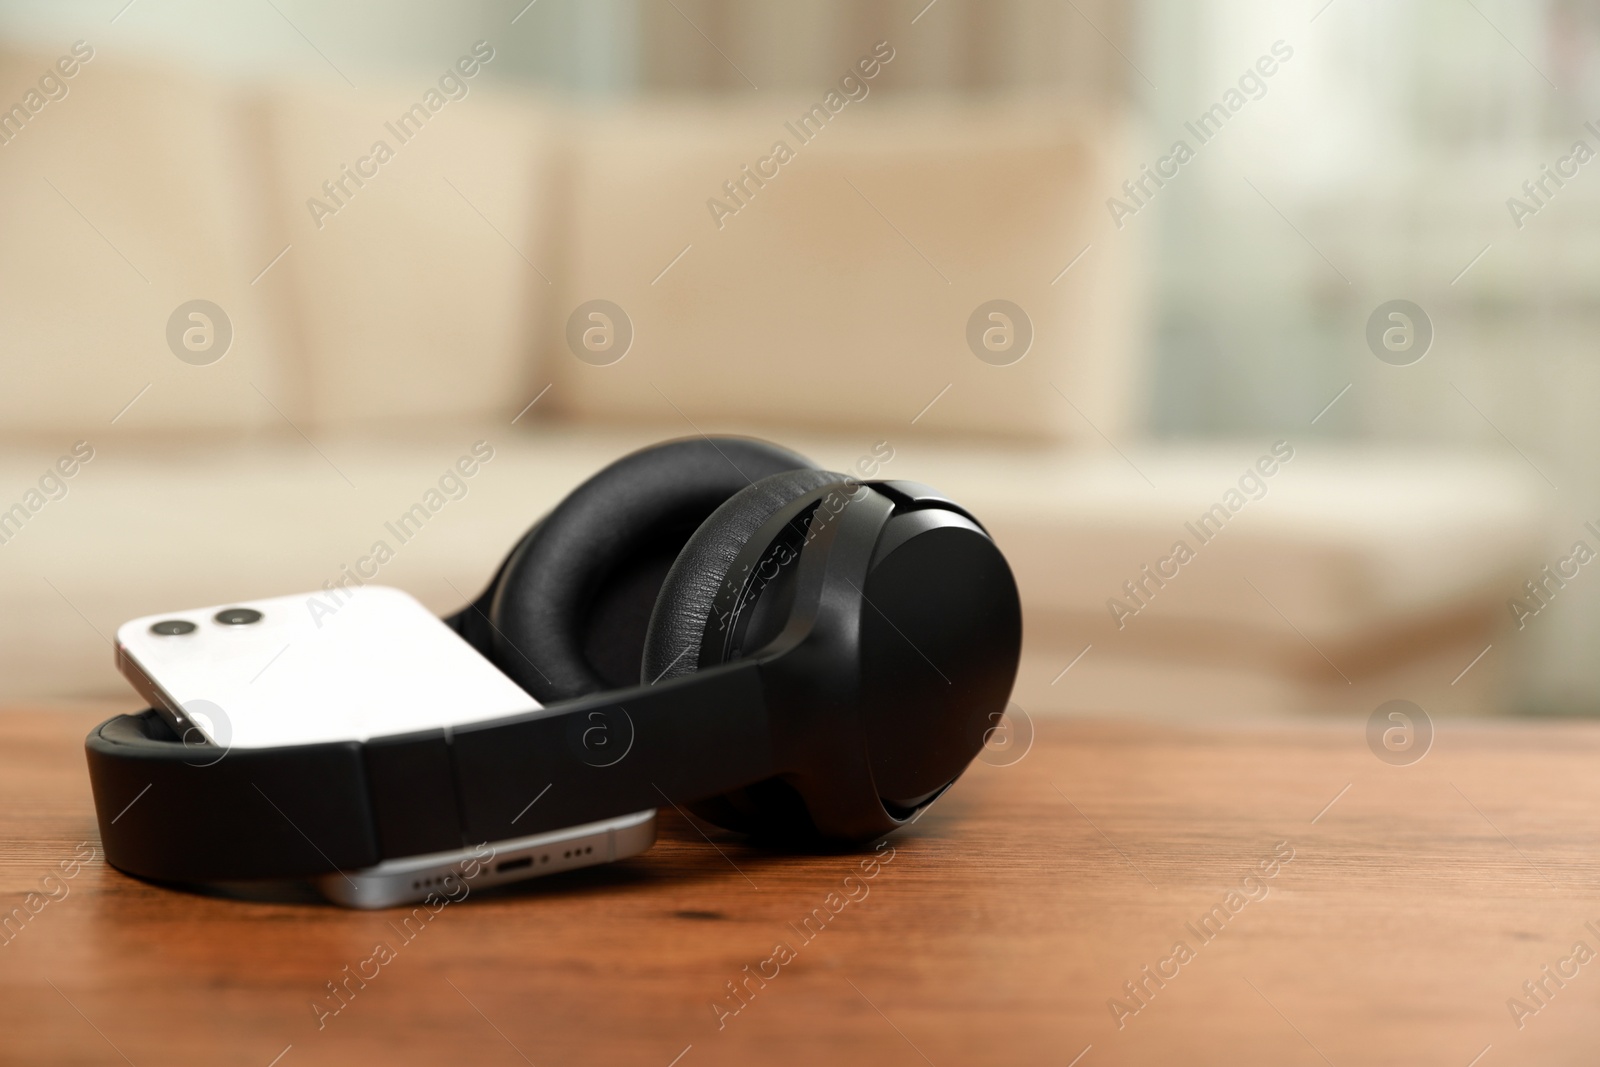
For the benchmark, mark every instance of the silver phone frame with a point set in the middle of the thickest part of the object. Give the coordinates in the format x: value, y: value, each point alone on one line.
x: 412, y: 879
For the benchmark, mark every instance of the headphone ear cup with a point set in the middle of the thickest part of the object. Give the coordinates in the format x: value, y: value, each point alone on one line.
x: 677, y: 634
x: 683, y: 607
x: 473, y: 622
x: 567, y: 613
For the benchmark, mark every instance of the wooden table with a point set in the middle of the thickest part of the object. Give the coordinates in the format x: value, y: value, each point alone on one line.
x: 1414, y: 906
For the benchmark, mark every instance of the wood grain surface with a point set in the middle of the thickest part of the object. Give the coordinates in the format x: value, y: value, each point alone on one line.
x: 1001, y: 930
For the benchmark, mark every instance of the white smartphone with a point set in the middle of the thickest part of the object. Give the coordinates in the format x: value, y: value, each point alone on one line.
x: 303, y: 669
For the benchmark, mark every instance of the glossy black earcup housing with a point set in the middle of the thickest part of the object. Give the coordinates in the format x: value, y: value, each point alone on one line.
x: 940, y: 636
x: 567, y: 614
x: 900, y: 634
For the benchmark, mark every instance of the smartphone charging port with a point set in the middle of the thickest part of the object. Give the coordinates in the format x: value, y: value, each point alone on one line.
x: 513, y: 865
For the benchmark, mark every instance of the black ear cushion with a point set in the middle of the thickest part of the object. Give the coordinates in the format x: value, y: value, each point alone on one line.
x: 570, y: 607
x: 684, y: 604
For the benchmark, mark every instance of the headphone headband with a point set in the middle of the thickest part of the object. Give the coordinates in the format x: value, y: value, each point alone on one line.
x: 202, y: 819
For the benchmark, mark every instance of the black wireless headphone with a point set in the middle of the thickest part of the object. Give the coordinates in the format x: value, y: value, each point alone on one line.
x: 710, y: 621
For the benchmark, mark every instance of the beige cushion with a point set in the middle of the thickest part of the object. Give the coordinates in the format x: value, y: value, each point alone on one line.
x: 273, y: 519
x: 119, y: 202
x: 839, y: 295
x: 417, y: 299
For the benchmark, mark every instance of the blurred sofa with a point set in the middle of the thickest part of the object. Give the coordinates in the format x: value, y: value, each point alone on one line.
x: 375, y: 344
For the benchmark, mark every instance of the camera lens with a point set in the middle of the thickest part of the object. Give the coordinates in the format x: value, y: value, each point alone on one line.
x: 172, y: 627
x: 238, y: 616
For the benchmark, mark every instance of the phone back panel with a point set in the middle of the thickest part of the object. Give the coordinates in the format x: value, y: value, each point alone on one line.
x: 312, y: 669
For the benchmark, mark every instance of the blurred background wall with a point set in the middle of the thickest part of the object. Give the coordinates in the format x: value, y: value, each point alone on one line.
x: 1174, y: 345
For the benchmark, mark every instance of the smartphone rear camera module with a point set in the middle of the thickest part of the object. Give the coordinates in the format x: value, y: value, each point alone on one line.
x: 237, y: 616
x: 172, y: 627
